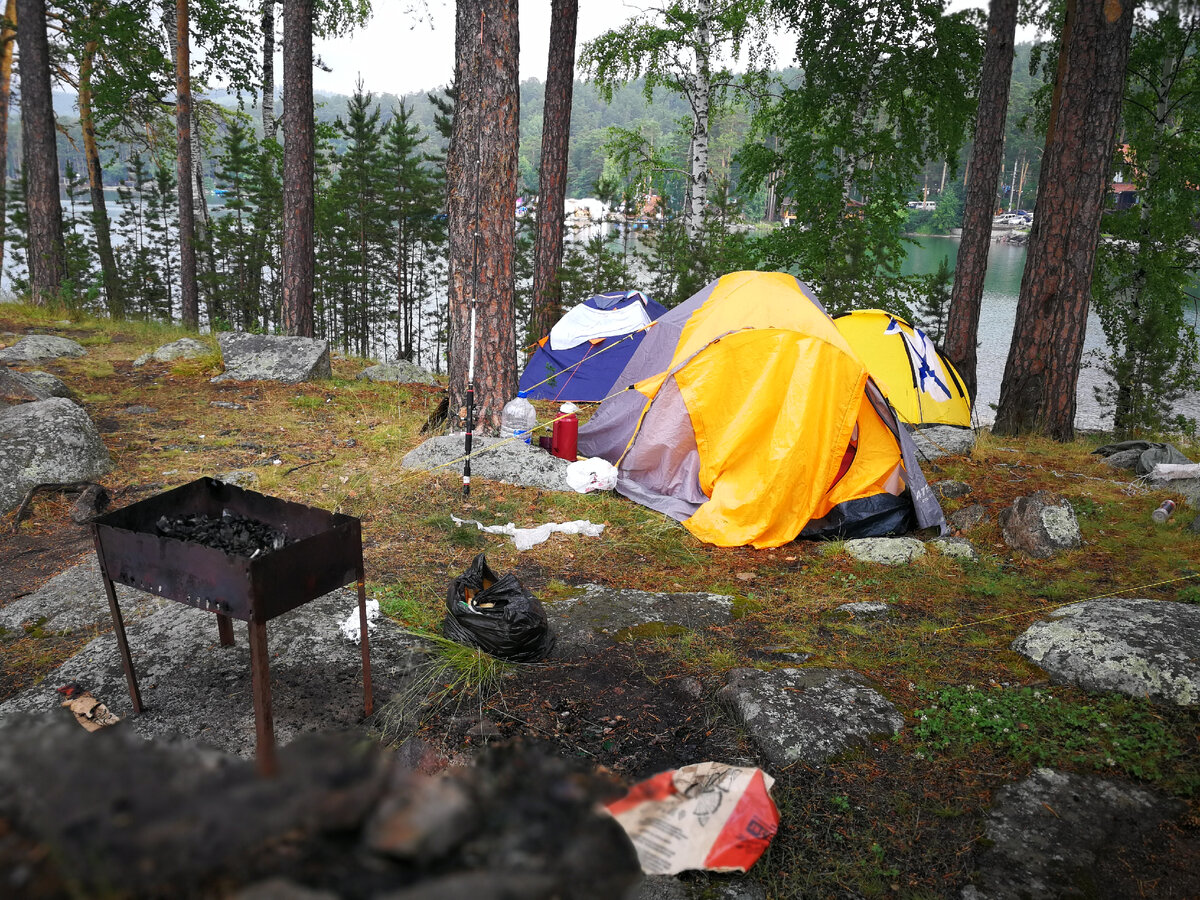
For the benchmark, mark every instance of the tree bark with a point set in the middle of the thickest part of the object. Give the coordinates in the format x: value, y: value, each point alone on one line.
x: 46, y: 252
x: 700, y: 96
x: 189, y: 295
x: 552, y: 177
x: 270, y: 123
x: 962, y: 329
x: 481, y: 171
x: 113, y: 296
x: 8, y: 38
x: 299, y: 144
x: 1042, y: 371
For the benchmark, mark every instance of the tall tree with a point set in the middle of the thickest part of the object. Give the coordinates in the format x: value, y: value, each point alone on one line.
x: 1042, y: 370
x: 8, y: 41
x: 268, y: 70
x: 481, y: 174
x: 984, y: 168
x: 298, y: 150
x: 46, y: 252
x: 188, y: 289
x: 552, y: 175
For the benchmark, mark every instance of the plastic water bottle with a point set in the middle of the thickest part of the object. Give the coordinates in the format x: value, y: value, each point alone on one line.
x: 1163, y: 513
x: 518, y: 418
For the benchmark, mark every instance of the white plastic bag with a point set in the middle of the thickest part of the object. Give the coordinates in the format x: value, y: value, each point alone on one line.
x: 593, y: 474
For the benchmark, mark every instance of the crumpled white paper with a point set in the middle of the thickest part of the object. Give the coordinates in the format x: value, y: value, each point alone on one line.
x: 350, y: 628
x: 1174, y: 471
x: 524, y: 538
x: 592, y: 474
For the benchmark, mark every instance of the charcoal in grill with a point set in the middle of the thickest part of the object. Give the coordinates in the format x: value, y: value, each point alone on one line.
x: 232, y: 533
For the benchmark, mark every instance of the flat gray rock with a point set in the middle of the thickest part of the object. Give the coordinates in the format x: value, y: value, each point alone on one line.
x: 184, y: 348
x: 866, y: 609
x: 967, y: 518
x: 194, y: 688
x: 1143, y: 648
x: 35, y: 347
x: 808, y: 715
x: 497, y: 459
x: 956, y: 548
x: 47, y: 442
x: 243, y: 478
x: 1040, y: 525
x: 74, y: 601
x: 399, y: 372
x: 888, y: 551
x: 591, y: 620
x: 269, y: 357
x: 943, y: 440
x: 950, y: 490
x: 1047, y: 833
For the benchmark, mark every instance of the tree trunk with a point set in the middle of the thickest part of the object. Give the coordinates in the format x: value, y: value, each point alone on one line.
x: 552, y: 187
x: 8, y: 38
x: 1040, y: 376
x: 113, y: 295
x: 46, y: 253
x: 481, y: 174
x: 699, y: 96
x: 189, y: 296
x: 299, y: 144
x: 270, y: 124
x: 967, y: 294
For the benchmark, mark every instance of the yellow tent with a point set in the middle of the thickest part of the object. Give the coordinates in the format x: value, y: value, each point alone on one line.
x: 749, y: 419
x: 921, y: 384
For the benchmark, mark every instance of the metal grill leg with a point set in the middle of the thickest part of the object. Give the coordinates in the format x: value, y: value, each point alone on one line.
x: 260, y: 678
x: 368, y: 697
x: 225, y: 630
x: 119, y: 629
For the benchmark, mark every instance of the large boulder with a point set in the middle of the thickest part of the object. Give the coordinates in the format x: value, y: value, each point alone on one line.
x: 184, y: 348
x: 399, y: 372
x: 35, y: 347
x: 808, y: 715
x: 944, y: 440
x: 1143, y: 648
x: 27, y: 387
x: 268, y: 357
x: 1040, y: 525
x: 47, y: 442
x: 498, y: 459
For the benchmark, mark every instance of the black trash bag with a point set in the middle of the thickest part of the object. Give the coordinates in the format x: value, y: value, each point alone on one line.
x: 497, y: 615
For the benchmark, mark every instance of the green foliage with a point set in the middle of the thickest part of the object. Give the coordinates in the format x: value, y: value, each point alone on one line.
x: 1112, y: 734
x: 933, y: 302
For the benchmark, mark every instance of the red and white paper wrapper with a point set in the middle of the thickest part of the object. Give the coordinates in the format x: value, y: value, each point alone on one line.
x: 704, y: 816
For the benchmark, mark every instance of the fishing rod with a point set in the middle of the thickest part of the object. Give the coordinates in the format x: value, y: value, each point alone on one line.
x: 470, y: 423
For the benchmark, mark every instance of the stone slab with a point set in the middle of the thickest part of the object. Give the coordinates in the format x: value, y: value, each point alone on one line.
x: 269, y: 357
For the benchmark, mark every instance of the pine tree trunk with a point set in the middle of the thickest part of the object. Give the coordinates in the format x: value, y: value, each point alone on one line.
x: 189, y: 295
x: 298, y: 169
x: 552, y: 177
x: 46, y: 253
x: 986, y: 156
x: 8, y: 41
x: 114, y: 298
x: 481, y: 175
x: 1042, y: 371
x: 269, y: 121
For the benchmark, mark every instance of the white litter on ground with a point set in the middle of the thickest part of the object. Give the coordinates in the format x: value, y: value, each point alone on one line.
x: 1174, y: 471
x: 524, y: 538
x: 351, y: 628
x: 592, y: 474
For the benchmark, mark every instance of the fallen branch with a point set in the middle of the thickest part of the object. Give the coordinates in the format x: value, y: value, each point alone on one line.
x: 307, y: 464
x: 75, y: 486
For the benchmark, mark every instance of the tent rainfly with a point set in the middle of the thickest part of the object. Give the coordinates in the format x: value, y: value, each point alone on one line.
x: 751, y: 420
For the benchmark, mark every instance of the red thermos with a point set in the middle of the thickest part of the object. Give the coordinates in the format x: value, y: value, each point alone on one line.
x: 564, y: 440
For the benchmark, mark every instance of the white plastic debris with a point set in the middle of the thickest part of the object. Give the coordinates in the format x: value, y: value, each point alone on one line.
x: 593, y: 474
x: 350, y: 629
x: 524, y: 538
x: 1174, y: 471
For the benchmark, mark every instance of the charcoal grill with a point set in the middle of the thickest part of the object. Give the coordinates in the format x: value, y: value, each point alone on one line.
x: 325, y: 553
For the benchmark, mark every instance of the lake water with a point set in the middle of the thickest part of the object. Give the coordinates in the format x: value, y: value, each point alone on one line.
x: 1002, y: 286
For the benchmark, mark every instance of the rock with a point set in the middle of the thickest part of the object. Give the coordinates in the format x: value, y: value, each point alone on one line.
x: 92, y: 502
x: 508, y: 461
x: 281, y: 889
x: 243, y: 478
x: 73, y: 601
x: 225, y: 404
x: 943, y: 440
x: 591, y: 620
x: 1124, y: 459
x: 34, y: 347
x: 1141, y: 456
x: 29, y: 387
x: 660, y: 887
x: 1143, y: 648
x: 687, y: 687
x: 967, y: 518
x: 139, y: 409
x: 888, y: 551
x: 808, y: 715
x: 956, y: 548
x: 401, y: 372
x: 1040, y: 525
x: 1049, y: 832
x: 184, y: 348
x: 47, y: 442
x: 1194, y: 528
x: 872, y: 609
x: 264, y: 357
x: 950, y: 490
x: 422, y: 819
